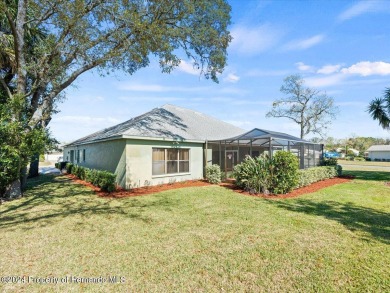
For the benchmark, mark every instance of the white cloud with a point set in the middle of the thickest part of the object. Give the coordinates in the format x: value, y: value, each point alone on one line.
x: 363, y: 7
x: 367, y: 68
x: 305, y: 43
x: 325, y: 81
x: 254, y: 40
x: 188, y: 68
x: 303, y: 67
x: 231, y: 77
x: 329, y: 69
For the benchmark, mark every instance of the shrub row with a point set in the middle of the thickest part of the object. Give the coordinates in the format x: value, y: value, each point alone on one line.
x: 262, y: 174
x: 315, y: 174
x: 102, y: 179
x: 213, y: 174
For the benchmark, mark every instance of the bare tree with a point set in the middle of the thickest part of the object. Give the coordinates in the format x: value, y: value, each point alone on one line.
x: 311, y: 109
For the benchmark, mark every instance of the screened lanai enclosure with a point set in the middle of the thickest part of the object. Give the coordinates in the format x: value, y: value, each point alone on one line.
x: 229, y: 152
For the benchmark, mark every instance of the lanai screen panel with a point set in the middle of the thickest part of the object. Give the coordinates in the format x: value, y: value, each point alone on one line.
x: 259, y: 141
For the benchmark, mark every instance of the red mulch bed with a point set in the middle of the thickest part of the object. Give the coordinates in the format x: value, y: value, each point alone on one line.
x: 197, y: 183
x: 119, y: 193
x: 297, y: 192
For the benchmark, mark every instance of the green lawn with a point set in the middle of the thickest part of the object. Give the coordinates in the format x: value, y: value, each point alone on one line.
x: 203, y: 239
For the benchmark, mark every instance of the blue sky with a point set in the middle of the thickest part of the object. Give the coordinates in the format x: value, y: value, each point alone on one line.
x: 340, y: 47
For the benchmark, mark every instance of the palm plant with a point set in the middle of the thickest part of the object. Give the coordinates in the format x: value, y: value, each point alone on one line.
x: 379, y: 109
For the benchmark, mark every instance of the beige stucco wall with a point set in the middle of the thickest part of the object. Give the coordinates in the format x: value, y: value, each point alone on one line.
x: 106, y: 155
x: 379, y: 155
x: 139, y: 162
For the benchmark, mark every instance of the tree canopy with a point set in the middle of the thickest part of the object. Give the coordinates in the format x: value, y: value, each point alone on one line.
x: 311, y: 109
x: 46, y: 45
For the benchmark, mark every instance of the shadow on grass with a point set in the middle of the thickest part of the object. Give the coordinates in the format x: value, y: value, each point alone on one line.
x: 353, y: 217
x: 50, y: 198
x: 369, y: 175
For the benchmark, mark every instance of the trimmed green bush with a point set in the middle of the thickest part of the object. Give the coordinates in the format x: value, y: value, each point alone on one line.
x: 102, y: 179
x: 315, y: 174
x: 213, y: 174
x: 106, y: 181
x: 285, y: 172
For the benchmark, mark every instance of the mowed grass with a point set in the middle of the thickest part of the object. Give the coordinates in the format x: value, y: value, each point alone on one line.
x: 204, y: 239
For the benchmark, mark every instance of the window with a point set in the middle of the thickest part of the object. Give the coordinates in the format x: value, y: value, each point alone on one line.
x: 78, y: 156
x: 170, y: 161
x: 83, y: 155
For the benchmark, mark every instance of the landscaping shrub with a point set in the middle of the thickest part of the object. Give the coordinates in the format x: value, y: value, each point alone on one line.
x: 315, y: 174
x: 102, y: 179
x: 280, y: 174
x: 106, y: 181
x: 263, y: 174
x: 213, y: 174
x: 329, y: 162
x: 360, y: 159
x: 254, y: 174
x: 285, y: 172
x: 69, y: 167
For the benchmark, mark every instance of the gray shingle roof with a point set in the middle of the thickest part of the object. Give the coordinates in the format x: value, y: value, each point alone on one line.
x: 379, y: 148
x: 168, y: 121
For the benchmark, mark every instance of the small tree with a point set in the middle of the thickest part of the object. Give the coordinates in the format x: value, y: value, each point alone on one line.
x: 311, y: 109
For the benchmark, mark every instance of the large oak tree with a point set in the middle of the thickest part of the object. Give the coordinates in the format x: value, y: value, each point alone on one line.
x: 105, y: 35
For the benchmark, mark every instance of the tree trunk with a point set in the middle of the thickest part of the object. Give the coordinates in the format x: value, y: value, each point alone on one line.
x: 14, y: 190
x: 34, y: 167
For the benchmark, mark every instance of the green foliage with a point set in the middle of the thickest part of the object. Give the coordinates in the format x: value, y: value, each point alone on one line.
x: 18, y: 145
x: 213, y: 174
x: 285, y: 173
x: 262, y: 174
x: 254, y: 174
x: 67, y: 38
x: 9, y: 171
x: 379, y: 109
x: 69, y: 167
x: 102, y: 179
x: 315, y: 174
x: 280, y: 174
x: 360, y: 159
x: 329, y: 162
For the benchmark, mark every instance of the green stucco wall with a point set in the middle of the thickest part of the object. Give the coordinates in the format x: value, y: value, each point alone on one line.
x: 131, y: 160
x: 139, y: 162
x: 106, y: 155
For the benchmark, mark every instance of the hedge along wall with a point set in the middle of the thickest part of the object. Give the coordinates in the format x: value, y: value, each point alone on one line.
x: 315, y: 174
x: 102, y: 179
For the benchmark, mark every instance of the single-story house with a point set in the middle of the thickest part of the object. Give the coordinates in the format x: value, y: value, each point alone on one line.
x: 171, y: 143
x: 379, y: 152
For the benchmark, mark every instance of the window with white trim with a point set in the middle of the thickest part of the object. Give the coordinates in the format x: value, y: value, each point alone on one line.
x: 170, y: 161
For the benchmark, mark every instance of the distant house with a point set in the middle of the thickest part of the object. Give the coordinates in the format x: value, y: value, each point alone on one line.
x: 171, y: 143
x: 379, y: 152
